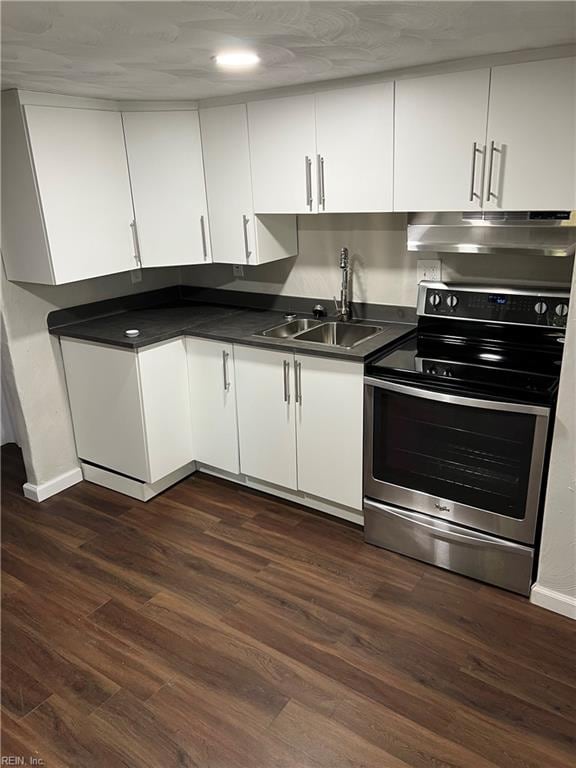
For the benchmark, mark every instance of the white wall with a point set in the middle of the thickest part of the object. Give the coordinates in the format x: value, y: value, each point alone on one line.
x: 45, y: 429
x: 556, y: 583
x: 384, y: 272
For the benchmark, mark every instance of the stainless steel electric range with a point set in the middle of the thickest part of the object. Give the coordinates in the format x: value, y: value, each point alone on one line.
x: 458, y: 422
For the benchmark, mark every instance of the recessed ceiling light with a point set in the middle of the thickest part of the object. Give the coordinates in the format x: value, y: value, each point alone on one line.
x: 237, y: 59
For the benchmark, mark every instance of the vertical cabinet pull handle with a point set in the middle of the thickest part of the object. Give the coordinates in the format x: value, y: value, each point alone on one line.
x: 321, y: 188
x: 489, y: 193
x: 473, y: 193
x: 308, y: 171
x: 286, y: 371
x: 298, y: 381
x: 135, y: 242
x: 247, y: 250
x: 203, y: 234
x: 225, y: 356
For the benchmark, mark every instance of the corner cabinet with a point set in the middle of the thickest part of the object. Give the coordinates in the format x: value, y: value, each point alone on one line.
x: 238, y: 235
x: 66, y: 202
x: 212, y: 387
x: 167, y: 175
x: 300, y: 422
x: 130, y: 408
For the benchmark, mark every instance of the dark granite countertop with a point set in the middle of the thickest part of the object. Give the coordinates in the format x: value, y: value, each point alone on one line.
x: 218, y: 322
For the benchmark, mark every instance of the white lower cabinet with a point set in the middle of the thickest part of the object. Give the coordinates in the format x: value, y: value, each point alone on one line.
x: 130, y: 408
x: 300, y: 422
x: 213, y: 403
x: 266, y: 415
x: 329, y: 417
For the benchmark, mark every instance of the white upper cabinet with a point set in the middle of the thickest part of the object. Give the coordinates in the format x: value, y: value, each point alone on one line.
x: 329, y: 413
x: 68, y: 208
x: 213, y: 403
x: 266, y: 415
x: 238, y: 236
x: 283, y: 147
x: 167, y: 175
x: 440, y: 133
x: 355, y: 149
x: 531, y: 137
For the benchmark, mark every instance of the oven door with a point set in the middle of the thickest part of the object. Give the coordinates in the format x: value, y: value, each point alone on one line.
x: 475, y: 462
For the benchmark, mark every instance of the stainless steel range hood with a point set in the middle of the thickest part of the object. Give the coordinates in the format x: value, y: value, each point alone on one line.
x: 541, y: 233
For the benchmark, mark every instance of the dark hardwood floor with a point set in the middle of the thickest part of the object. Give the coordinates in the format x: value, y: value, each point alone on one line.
x: 221, y: 628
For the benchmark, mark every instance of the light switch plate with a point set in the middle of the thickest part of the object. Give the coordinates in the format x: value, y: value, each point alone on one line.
x: 238, y: 270
x: 429, y: 269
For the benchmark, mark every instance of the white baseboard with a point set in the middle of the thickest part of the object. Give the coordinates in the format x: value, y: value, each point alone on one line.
x: 553, y: 601
x: 43, y: 491
x: 298, y: 497
x: 137, y: 489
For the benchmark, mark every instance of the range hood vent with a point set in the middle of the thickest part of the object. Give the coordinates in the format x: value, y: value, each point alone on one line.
x: 540, y: 233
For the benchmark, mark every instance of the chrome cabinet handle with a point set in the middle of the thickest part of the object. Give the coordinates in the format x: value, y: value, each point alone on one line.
x: 473, y: 193
x: 489, y: 193
x: 203, y: 234
x: 135, y: 242
x: 225, y: 356
x: 286, y: 370
x: 298, y: 381
x: 308, y: 171
x: 247, y: 250
x: 320, y: 173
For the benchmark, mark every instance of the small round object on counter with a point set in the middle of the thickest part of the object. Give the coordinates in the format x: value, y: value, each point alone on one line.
x: 132, y: 332
x: 290, y: 316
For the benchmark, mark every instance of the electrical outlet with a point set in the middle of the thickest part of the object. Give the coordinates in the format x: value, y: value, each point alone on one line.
x: 238, y: 270
x: 429, y: 269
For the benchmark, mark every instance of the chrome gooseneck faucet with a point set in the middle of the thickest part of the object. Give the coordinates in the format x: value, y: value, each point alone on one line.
x: 343, y: 309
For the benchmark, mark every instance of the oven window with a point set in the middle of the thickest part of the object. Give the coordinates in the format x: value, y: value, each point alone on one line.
x: 472, y: 456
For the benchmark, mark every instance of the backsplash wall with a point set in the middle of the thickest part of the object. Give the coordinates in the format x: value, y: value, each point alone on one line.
x: 383, y: 271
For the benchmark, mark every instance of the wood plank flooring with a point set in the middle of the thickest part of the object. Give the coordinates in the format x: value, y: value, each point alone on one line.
x: 217, y: 627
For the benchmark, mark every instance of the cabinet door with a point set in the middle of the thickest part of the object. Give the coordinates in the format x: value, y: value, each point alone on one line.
x: 163, y: 371
x: 355, y: 145
x: 438, y: 122
x: 229, y: 183
x: 106, y: 405
x: 283, y: 151
x: 329, y: 415
x: 266, y: 418
x: 130, y: 410
x: 212, y: 388
x: 167, y: 174
x: 532, y: 124
x: 84, y: 190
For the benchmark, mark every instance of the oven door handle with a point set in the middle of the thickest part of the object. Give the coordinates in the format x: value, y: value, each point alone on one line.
x: 476, y: 539
x: 445, y: 397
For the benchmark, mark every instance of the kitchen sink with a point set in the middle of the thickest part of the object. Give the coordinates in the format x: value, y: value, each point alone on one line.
x: 339, y: 334
x: 288, y: 330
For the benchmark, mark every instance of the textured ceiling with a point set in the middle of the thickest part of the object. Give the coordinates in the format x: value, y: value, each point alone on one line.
x: 163, y: 50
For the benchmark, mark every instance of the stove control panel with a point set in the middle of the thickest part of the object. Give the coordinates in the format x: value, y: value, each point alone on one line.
x: 547, y: 308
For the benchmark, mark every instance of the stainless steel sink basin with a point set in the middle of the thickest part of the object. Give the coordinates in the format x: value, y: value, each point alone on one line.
x: 287, y: 330
x: 339, y: 334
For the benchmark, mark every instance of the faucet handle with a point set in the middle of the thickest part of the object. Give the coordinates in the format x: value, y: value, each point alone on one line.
x: 319, y: 311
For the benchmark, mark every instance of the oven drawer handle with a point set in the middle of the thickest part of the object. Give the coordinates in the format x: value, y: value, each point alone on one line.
x: 476, y: 540
x: 444, y: 397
